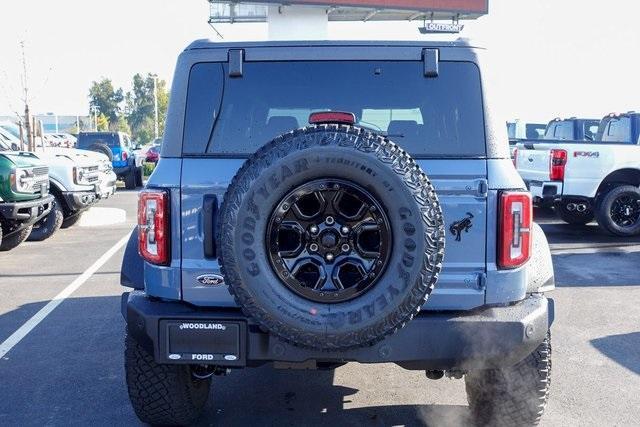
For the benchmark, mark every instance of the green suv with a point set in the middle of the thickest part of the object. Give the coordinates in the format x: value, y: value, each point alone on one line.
x: 24, y: 196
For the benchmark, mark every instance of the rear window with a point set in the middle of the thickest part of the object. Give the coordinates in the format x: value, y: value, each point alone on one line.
x: 616, y: 129
x: 440, y: 116
x: 535, y: 130
x: 86, y: 140
x: 564, y: 131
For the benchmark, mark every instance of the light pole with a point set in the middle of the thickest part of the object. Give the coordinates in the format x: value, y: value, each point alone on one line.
x: 94, y: 109
x: 155, y: 103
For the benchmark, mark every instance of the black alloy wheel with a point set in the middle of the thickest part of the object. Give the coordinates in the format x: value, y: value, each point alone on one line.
x: 625, y: 210
x: 329, y: 240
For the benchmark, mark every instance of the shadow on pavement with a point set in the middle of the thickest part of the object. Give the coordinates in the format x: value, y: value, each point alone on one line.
x: 69, y: 371
x: 599, y: 269
x: 589, y: 235
x: 624, y: 349
x: 266, y: 396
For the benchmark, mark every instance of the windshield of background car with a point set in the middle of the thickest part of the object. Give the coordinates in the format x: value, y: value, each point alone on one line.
x: 440, y: 116
x: 87, y: 140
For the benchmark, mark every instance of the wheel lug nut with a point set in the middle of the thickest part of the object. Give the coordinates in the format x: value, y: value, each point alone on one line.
x: 313, y: 247
x: 345, y: 248
x: 329, y: 257
x: 344, y: 230
x: 329, y: 220
x: 313, y: 229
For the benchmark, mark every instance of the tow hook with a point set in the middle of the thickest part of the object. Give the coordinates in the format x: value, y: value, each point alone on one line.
x: 202, y: 372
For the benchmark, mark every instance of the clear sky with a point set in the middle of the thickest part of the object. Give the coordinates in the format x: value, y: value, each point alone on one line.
x: 554, y: 57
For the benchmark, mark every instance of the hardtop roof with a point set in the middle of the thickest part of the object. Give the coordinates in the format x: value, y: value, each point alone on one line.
x: 212, y: 44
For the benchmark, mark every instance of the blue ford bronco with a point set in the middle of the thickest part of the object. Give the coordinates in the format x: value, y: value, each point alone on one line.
x: 318, y: 203
x: 119, y: 148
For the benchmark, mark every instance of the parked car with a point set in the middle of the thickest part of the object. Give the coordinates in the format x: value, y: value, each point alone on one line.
x: 588, y: 179
x: 77, y: 180
x: 152, y: 155
x: 24, y: 198
x: 118, y: 147
x: 519, y: 130
x: 302, y: 229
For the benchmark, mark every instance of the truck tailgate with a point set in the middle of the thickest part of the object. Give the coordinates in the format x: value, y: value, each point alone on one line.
x: 532, y: 161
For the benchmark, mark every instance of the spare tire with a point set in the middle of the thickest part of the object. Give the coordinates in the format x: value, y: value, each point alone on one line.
x: 102, y: 148
x: 331, y: 236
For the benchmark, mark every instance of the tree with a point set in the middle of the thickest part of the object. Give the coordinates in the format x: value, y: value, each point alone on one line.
x: 103, y: 95
x: 122, y: 125
x: 140, y: 104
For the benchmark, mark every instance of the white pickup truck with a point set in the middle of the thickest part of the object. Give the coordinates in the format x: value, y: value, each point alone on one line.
x: 587, y: 179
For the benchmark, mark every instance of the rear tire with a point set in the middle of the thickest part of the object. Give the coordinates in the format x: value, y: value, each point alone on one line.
x: 71, y: 220
x: 139, y: 177
x: 513, y: 396
x: 48, y: 225
x: 574, y: 217
x: 13, y: 240
x: 162, y: 394
x: 612, y: 211
x: 130, y: 179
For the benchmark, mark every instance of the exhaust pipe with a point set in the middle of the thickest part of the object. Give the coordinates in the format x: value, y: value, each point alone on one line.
x: 571, y: 207
x: 581, y: 207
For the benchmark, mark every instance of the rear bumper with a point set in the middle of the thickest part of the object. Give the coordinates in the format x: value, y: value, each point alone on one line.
x: 79, y: 200
x: 491, y: 337
x: 26, y: 213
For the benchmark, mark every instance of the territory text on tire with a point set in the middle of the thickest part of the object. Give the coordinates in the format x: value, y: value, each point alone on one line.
x: 162, y: 394
x: 514, y: 396
x: 332, y: 237
x: 618, y: 211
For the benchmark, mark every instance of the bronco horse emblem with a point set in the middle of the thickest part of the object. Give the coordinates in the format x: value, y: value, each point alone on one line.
x: 459, y: 226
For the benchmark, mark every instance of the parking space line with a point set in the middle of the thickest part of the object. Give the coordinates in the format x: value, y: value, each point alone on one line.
x: 30, y: 324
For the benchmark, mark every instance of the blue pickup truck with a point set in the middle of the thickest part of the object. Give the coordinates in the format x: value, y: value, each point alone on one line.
x: 318, y: 203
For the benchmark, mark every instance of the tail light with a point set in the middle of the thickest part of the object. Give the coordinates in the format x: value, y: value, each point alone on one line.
x: 557, y: 162
x: 514, y: 244
x: 124, y: 156
x: 153, y: 226
x: 515, y: 157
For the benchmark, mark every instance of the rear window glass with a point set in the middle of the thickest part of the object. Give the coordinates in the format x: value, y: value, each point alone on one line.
x: 617, y: 129
x: 86, y: 140
x: 535, y: 130
x: 440, y: 116
x: 564, y: 131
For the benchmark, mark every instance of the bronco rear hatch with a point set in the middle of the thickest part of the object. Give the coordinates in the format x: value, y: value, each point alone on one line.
x: 240, y: 99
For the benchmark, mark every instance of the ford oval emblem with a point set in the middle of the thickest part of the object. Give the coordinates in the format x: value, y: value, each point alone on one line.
x: 210, y: 279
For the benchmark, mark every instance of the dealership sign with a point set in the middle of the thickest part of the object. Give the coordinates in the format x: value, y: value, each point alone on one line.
x: 355, y: 10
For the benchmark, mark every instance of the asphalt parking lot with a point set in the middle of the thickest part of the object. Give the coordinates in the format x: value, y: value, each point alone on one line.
x: 67, y: 370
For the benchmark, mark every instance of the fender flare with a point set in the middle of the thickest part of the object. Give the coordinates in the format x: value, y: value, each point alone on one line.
x: 540, y: 276
x: 132, y: 270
